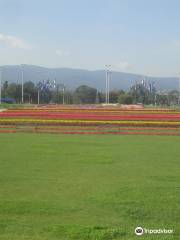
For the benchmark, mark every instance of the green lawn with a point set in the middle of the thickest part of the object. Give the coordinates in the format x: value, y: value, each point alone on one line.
x: 88, y: 187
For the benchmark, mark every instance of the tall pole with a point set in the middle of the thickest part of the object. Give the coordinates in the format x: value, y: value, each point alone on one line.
x: 106, y: 86
x: 39, y: 89
x: 107, y: 82
x: 109, y: 78
x: 0, y: 84
x: 22, y: 82
x: 179, y: 89
x: 38, y: 97
x: 63, y: 94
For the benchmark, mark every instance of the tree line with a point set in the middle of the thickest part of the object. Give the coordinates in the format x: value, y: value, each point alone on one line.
x: 138, y: 93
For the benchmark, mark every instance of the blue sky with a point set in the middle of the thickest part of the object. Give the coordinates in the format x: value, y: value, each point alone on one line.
x: 133, y: 35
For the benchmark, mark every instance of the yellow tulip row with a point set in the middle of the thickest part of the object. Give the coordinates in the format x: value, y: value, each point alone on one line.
x: 61, y: 121
x: 96, y: 110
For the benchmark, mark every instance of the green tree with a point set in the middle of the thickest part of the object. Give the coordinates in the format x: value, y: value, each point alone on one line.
x: 30, y: 92
x: 143, y: 93
x: 113, y: 95
x: 125, y: 99
x: 173, y: 97
x: 4, y: 89
x: 85, y: 94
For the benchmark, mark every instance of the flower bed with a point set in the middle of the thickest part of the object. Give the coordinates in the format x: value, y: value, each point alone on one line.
x: 95, y: 120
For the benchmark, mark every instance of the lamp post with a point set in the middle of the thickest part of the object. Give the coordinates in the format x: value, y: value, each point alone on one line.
x: 108, y: 72
x: 0, y: 84
x: 22, y: 84
x: 39, y: 87
x: 106, y: 85
x: 38, y: 96
x: 62, y: 86
x: 179, y: 90
x: 109, y: 78
x: 63, y: 94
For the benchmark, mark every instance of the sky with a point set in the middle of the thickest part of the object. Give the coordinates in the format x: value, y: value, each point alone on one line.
x: 137, y: 36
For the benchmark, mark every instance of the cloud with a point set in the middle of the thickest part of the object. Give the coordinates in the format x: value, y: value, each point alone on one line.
x: 14, y: 42
x: 122, y: 66
x: 62, y: 53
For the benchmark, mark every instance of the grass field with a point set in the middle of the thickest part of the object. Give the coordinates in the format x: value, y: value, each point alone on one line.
x: 88, y: 187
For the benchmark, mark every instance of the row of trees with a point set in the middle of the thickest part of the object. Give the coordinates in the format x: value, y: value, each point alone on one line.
x: 81, y: 95
x: 139, y: 93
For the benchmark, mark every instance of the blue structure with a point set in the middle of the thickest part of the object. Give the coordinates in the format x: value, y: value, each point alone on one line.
x: 7, y: 100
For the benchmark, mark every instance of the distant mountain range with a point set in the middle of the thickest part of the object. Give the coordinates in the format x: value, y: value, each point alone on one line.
x: 73, y: 78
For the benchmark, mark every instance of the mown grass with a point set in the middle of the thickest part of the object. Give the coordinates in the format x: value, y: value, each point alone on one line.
x: 88, y: 187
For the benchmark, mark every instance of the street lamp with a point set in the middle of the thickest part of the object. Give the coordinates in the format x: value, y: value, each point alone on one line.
x: 22, y: 83
x: 63, y: 90
x: 38, y: 96
x: 39, y: 87
x: 109, y: 78
x: 0, y: 83
x: 62, y: 86
x: 179, y: 89
x: 108, y: 72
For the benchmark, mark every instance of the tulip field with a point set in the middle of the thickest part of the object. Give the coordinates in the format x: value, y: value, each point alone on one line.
x: 89, y: 173
x: 91, y: 120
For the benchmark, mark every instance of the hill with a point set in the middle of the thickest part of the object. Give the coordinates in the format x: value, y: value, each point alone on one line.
x: 72, y: 78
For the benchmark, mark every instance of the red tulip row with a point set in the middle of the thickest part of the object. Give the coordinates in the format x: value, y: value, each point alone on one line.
x: 91, y: 121
x: 132, y: 116
x: 123, y: 133
x: 7, y: 131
